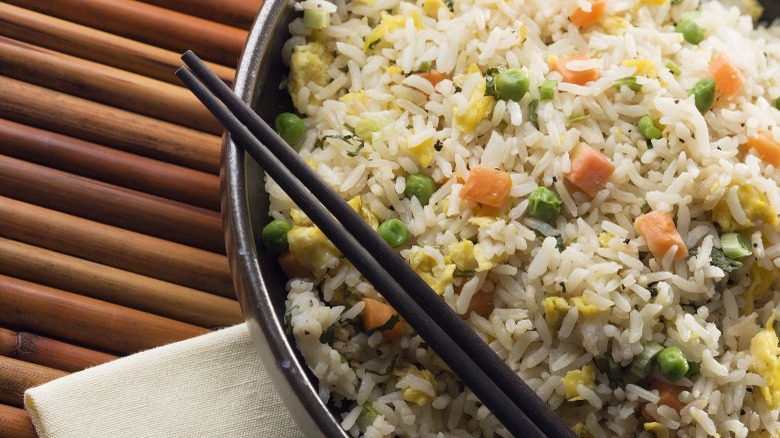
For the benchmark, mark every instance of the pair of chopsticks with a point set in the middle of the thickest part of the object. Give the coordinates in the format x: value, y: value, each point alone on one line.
x: 513, y: 403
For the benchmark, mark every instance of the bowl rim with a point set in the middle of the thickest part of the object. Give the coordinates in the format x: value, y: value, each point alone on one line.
x: 278, y: 353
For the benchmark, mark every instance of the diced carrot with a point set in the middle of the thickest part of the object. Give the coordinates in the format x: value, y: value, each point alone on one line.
x: 660, y: 233
x: 292, y: 267
x: 590, y: 169
x: 728, y: 78
x: 434, y: 76
x: 669, y: 395
x: 487, y: 186
x: 579, y: 77
x: 481, y: 303
x: 581, y: 18
x: 376, y: 314
x: 767, y: 148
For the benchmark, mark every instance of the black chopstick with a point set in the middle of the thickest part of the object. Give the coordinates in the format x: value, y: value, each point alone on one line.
x: 500, y: 389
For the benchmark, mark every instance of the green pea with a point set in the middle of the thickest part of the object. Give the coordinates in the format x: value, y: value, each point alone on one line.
x: 544, y: 204
x: 672, y: 363
x: 393, y: 231
x: 290, y: 127
x: 690, y: 30
x: 420, y: 186
x: 274, y: 235
x: 777, y: 103
x: 512, y: 84
x: 648, y: 129
x: 704, y: 94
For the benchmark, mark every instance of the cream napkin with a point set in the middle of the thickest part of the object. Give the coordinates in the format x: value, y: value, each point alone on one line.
x: 210, y: 386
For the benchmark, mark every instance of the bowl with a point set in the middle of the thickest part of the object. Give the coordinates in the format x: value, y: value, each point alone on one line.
x: 258, y: 280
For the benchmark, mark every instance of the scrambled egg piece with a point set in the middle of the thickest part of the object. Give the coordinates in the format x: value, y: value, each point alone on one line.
x: 478, y: 107
x: 760, y: 281
x: 660, y: 430
x: 388, y: 23
x: 362, y: 209
x: 437, y: 277
x: 766, y: 361
x: 753, y: 202
x: 582, y: 431
x: 299, y: 218
x: 482, y: 221
x: 654, y: 2
x: 311, y: 248
x: 614, y: 24
x: 585, y: 309
x: 644, y: 67
x: 468, y: 257
x: 555, y: 308
x: 585, y: 376
x: 431, y: 7
x: 421, y: 398
x: 309, y: 63
x: 394, y: 70
x: 423, y: 151
x: 604, y: 239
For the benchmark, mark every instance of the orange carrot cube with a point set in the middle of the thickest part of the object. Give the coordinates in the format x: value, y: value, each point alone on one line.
x: 581, y: 18
x: 728, y: 79
x: 660, y: 233
x: 579, y: 77
x: 590, y: 169
x: 487, y: 186
x: 766, y: 147
x: 376, y: 314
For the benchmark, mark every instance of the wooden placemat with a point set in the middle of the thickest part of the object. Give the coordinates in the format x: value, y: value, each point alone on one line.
x: 110, y: 235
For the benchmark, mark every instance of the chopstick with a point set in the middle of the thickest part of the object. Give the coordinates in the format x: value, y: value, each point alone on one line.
x: 513, y: 403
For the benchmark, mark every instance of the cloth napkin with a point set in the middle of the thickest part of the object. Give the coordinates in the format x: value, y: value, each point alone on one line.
x: 209, y: 386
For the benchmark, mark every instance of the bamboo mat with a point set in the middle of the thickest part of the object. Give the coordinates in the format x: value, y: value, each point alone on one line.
x: 110, y: 234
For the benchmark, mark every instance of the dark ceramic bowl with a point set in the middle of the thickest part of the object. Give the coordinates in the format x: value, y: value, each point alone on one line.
x: 259, y: 282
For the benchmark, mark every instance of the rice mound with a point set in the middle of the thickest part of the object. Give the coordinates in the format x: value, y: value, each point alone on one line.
x: 611, y: 296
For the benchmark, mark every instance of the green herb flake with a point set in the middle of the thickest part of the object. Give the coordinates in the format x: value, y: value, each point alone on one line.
x: 490, y: 82
x: 373, y: 44
x: 719, y: 260
x: 389, y: 324
x: 327, y: 336
x: 464, y: 273
x: 350, y: 138
x: 450, y: 5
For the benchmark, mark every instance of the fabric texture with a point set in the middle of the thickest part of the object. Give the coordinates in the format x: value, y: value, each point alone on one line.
x: 210, y: 386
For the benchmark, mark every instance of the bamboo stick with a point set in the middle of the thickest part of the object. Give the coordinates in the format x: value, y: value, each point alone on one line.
x: 115, y: 247
x: 15, y: 423
x: 49, y: 352
x: 102, y: 282
x: 111, y: 205
x: 86, y: 321
x: 43, y: 108
x: 151, y: 24
x: 108, y: 85
x: 110, y: 165
x: 17, y: 376
x: 95, y: 45
x: 238, y: 13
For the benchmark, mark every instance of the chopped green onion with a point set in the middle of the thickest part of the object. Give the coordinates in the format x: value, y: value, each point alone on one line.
x: 629, y: 82
x: 643, y: 364
x: 424, y: 67
x: 673, y: 68
x: 367, y: 416
x: 547, y: 90
x: 316, y: 19
x: 719, y: 260
x: 735, y: 245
